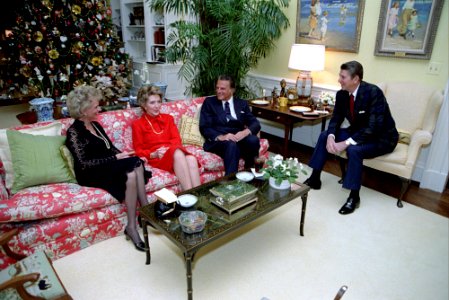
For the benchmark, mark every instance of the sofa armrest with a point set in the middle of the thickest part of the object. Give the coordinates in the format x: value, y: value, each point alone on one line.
x: 418, y: 139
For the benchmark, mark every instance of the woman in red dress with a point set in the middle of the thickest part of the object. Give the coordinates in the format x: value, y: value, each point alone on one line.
x: 156, y: 138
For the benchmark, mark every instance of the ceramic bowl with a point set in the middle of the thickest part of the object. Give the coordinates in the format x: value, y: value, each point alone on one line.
x: 244, y: 176
x: 192, y: 221
x: 187, y: 200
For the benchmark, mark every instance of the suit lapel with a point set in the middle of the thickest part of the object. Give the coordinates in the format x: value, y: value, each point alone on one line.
x: 220, y: 110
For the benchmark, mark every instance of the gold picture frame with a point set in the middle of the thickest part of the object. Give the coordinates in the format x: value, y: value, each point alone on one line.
x: 407, y: 28
x: 335, y: 24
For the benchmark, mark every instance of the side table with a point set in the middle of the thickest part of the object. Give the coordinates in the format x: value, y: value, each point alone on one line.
x: 286, y: 117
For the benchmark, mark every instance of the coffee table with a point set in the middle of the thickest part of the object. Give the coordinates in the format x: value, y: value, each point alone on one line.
x: 220, y: 223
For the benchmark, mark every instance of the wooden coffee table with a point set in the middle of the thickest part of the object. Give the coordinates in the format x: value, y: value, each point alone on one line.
x: 219, y: 223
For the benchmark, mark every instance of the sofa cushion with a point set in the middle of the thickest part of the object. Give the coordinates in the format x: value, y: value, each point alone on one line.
x: 50, y: 129
x: 68, y: 159
x: 211, y: 162
x: 37, y: 160
x: 49, y: 201
x: 189, y: 130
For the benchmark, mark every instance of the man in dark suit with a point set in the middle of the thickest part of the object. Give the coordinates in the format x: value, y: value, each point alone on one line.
x: 229, y: 127
x: 364, y: 128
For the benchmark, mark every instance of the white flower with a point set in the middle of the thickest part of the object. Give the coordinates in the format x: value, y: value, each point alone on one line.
x: 104, y: 80
x: 326, y: 97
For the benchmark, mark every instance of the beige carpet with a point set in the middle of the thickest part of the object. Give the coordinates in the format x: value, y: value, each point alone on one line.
x: 8, y: 114
x: 379, y: 252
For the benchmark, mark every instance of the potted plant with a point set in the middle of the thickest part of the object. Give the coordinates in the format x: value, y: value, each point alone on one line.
x: 227, y: 37
x: 282, y: 173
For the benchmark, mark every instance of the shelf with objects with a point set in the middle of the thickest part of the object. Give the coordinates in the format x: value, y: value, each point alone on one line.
x: 145, y: 41
x: 134, y: 29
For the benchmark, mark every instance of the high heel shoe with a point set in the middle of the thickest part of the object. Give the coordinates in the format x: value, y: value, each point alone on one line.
x: 139, y: 245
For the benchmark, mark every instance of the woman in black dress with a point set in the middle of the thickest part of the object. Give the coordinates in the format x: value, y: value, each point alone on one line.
x: 98, y: 163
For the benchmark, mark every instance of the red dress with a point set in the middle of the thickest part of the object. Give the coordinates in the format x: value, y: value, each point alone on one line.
x: 150, y: 133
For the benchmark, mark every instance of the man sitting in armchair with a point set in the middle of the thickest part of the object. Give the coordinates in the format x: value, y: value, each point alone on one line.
x: 361, y: 124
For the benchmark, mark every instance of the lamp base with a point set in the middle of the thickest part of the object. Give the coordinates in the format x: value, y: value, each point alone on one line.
x: 304, y: 84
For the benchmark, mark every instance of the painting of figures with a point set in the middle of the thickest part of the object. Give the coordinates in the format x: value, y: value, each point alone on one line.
x: 407, y: 28
x: 333, y: 23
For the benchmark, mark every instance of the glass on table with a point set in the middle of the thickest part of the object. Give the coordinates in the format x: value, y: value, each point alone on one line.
x: 259, y: 163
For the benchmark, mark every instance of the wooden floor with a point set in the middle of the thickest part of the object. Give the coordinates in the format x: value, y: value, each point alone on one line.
x: 376, y: 180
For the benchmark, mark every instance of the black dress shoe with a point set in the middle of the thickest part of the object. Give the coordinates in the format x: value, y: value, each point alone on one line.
x: 350, y: 205
x: 313, y: 184
x: 139, y: 245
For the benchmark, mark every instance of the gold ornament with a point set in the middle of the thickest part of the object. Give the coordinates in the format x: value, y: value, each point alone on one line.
x: 38, y: 36
x: 76, y: 9
x: 47, y: 4
x: 26, y: 71
x: 96, y: 60
x: 54, y: 54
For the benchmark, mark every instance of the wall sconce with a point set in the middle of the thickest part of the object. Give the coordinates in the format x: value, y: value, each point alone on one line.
x: 306, y: 58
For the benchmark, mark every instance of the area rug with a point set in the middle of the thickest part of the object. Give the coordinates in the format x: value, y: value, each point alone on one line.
x: 379, y: 252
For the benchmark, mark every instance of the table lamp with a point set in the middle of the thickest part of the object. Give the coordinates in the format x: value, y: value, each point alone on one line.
x: 306, y: 58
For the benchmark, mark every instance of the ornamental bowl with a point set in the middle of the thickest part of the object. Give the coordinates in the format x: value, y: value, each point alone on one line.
x: 192, y: 221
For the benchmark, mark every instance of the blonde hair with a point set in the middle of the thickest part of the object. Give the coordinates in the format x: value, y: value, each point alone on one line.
x: 145, y: 92
x: 81, y: 98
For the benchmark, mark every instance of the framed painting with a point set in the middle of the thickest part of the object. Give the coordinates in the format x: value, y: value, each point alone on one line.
x: 407, y: 28
x: 334, y: 23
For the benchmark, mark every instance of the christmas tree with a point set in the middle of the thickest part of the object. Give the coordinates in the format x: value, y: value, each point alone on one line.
x: 56, y: 45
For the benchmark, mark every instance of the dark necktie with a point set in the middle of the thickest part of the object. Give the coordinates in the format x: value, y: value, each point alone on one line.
x: 228, y: 111
x: 351, y: 106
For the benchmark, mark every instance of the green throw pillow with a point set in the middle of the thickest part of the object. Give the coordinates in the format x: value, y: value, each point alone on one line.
x: 37, y: 160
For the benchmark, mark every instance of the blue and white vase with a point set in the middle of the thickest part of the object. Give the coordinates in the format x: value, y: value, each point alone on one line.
x: 163, y: 86
x: 43, y: 108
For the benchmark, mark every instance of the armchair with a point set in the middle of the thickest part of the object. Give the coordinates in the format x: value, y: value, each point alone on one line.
x: 31, y: 278
x: 415, y: 108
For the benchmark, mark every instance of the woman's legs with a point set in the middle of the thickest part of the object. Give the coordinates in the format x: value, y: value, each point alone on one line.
x: 131, y: 195
x: 188, y: 176
x: 194, y: 171
x: 141, y: 193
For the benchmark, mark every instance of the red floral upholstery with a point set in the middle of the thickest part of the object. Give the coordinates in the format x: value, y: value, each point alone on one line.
x: 65, y: 217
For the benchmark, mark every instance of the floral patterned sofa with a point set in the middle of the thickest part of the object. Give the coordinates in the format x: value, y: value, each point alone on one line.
x: 61, y: 218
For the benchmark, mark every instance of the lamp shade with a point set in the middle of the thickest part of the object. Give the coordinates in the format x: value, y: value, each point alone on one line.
x: 306, y: 57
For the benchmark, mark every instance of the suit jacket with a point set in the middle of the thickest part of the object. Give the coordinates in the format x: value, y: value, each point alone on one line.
x: 213, y: 120
x: 372, y: 117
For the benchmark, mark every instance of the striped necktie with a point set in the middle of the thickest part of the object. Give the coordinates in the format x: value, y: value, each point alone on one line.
x: 228, y: 112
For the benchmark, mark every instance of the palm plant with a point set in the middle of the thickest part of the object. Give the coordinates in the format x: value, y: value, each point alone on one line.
x: 228, y: 37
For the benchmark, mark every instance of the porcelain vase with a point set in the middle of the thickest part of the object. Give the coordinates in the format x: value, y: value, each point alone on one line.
x: 163, y: 87
x: 285, y: 184
x: 43, y: 108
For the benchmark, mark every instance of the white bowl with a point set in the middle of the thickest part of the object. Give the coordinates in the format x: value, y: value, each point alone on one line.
x: 244, y: 176
x: 187, y: 200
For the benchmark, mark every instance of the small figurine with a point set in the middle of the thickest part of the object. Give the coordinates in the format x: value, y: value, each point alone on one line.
x: 283, y: 85
x: 274, y: 98
x: 132, y: 19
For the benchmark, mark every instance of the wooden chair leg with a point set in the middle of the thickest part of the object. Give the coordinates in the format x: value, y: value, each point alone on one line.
x: 404, y: 187
x: 341, y: 292
x: 342, y: 168
x: 4, y: 239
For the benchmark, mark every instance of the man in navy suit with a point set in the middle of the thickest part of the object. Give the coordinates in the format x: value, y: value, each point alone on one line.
x: 229, y: 127
x: 364, y: 128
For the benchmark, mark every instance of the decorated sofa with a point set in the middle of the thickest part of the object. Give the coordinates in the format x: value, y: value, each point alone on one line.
x: 61, y: 218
